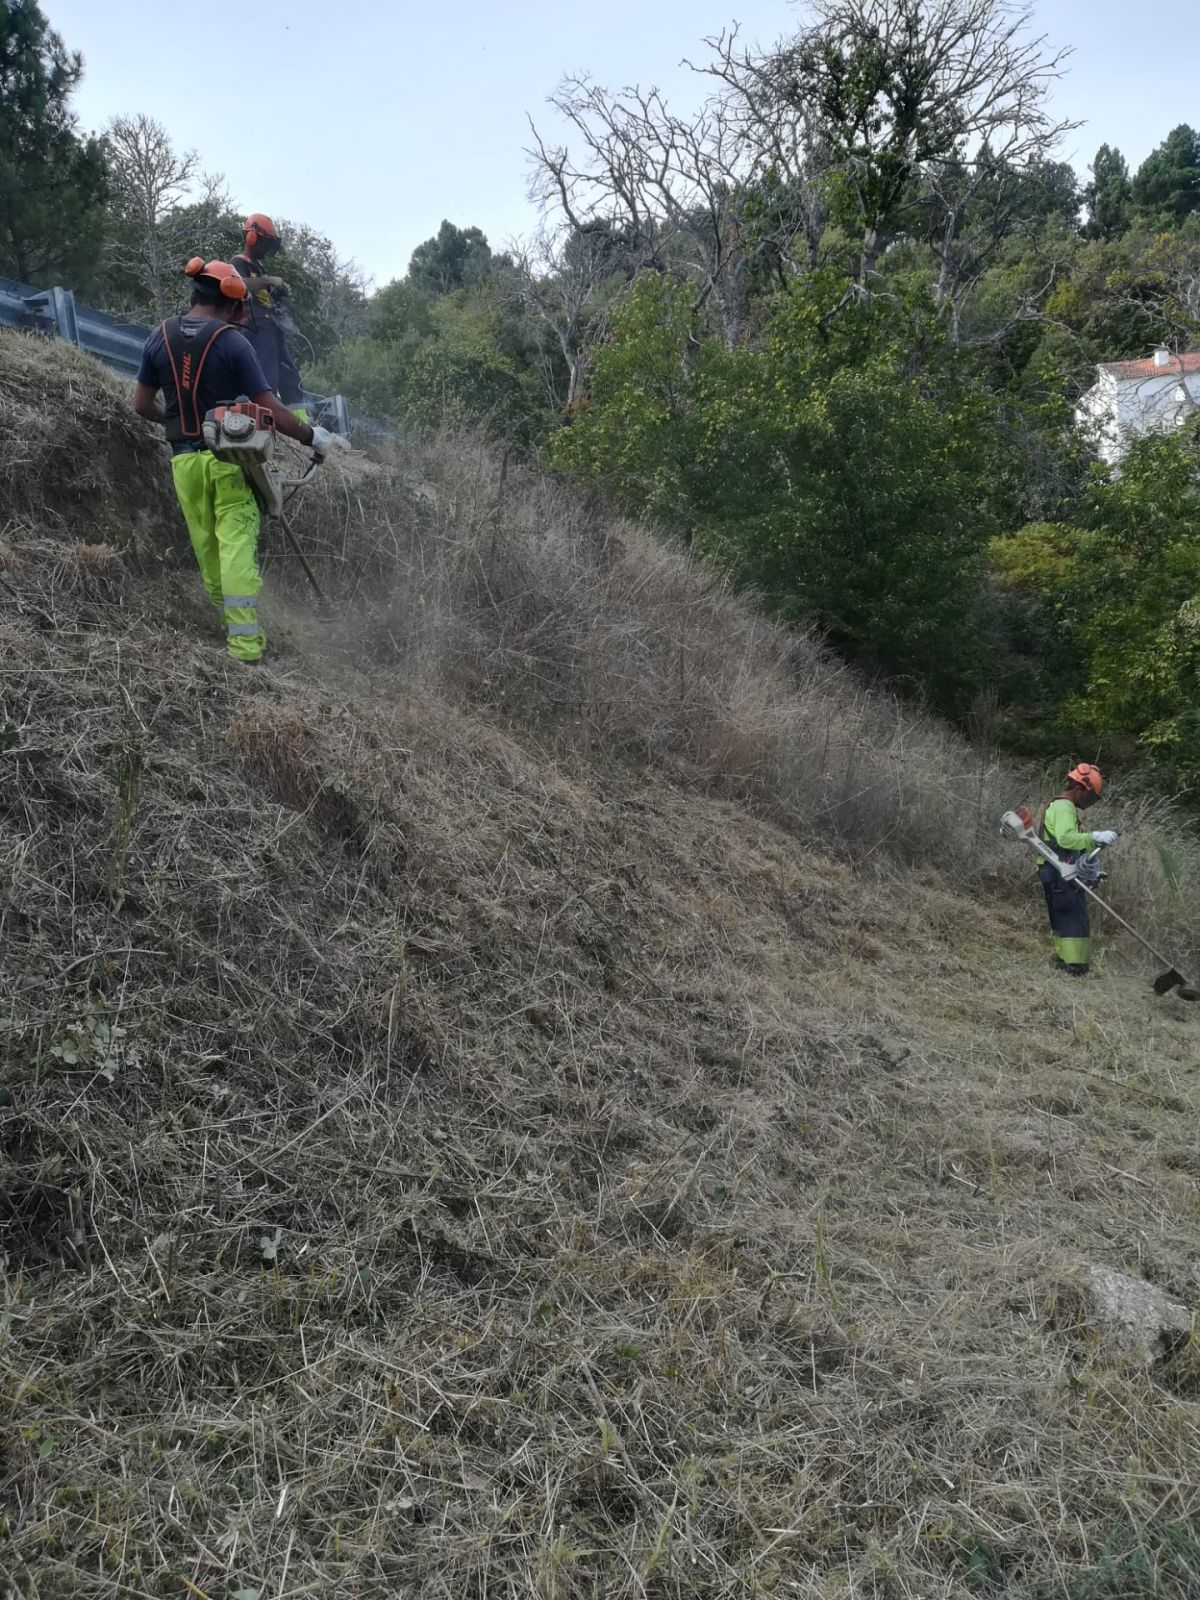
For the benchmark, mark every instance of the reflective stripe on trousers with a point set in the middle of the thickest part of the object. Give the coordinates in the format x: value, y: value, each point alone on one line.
x: 237, y: 604
x: 223, y: 520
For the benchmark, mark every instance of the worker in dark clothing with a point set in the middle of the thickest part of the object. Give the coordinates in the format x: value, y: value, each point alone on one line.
x: 200, y: 361
x: 266, y: 320
x: 1065, y: 901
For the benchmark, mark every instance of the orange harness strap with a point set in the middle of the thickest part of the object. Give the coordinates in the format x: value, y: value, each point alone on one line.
x: 189, y: 424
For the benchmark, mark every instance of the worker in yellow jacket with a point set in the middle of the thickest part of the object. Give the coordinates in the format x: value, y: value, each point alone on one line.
x: 1066, y: 902
x: 200, y: 361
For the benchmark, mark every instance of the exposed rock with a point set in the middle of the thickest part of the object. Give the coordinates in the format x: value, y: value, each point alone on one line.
x: 1134, y: 1316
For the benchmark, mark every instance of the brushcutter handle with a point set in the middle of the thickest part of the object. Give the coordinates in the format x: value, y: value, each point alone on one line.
x: 297, y: 483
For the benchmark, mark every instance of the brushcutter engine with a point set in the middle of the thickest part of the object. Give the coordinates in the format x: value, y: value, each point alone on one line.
x: 244, y: 435
x: 1017, y: 824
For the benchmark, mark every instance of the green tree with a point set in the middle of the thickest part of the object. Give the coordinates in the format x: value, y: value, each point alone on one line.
x: 428, y: 362
x: 1109, y: 195
x: 1166, y: 189
x: 52, y: 183
x: 400, y: 313
x: 636, y: 430
x: 328, y: 300
x: 845, y: 480
x: 375, y: 377
x: 1119, y: 591
x: 327, y: 303
x: 454, y: 258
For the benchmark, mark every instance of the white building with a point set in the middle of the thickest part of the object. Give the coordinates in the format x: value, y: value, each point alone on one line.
x: 1130, y: 398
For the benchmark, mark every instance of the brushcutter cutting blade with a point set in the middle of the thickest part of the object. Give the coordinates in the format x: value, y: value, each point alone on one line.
x: 1172, y: 979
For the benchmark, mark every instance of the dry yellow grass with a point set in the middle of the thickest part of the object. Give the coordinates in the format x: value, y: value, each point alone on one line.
x: 451, y: 1156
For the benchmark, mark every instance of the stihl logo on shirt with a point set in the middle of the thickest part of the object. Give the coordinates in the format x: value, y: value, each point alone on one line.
x: 186, y: 381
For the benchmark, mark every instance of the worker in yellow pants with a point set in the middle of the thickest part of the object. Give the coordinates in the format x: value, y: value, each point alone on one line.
x: 199, y: 362
x: 222, y: 517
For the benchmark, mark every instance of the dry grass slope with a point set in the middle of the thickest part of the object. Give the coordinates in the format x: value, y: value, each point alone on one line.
x: 474, y: 1126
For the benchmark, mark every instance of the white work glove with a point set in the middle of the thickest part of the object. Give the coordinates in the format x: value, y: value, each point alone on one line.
x: 1105, y: 835
x: 325, y: 443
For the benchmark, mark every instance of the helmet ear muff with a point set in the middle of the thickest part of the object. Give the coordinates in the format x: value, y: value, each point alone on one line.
x: 258, y: 229
x: 1087, y: 777
x: 231, y: 284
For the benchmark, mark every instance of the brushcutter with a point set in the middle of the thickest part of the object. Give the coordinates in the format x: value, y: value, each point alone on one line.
x: 1018, y: 825
x: 244, y: 434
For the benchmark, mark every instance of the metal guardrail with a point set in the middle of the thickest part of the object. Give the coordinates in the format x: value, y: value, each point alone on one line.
x: 58, y: 315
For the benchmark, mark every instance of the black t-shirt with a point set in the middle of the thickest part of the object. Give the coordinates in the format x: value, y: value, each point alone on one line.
x: 231, y: 369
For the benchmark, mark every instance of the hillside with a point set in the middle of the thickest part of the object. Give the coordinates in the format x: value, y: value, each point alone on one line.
x: 509, y: 1100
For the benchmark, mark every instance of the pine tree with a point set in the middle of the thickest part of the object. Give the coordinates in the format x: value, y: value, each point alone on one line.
x: 1109, y: 196
x: 1166, y: 189
x: 453, y: 259
x: 52, y: 182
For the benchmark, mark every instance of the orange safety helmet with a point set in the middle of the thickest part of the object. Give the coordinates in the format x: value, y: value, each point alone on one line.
x: 1085, y: 776
x: 224, y: 278
x: 258, y: 228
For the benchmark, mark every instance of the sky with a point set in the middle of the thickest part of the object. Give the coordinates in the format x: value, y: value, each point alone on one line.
x: 371, y: 121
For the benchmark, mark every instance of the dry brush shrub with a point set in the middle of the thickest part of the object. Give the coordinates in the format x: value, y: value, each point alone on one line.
x: 281, y: 754
x: 73, y: 456
x: 500, y: 586
x: 1156, y: 866
x: 278, y: 752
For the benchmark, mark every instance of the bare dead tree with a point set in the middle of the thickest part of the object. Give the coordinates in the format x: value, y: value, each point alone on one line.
x: 891, y: 117
x: 969, y: 209
x: 566, y: 280
x: 783, y: 148
x: 149, y: 177
x: 676, y: 187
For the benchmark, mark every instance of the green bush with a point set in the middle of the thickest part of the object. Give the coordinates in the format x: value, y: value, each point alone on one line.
x: 839, y: 468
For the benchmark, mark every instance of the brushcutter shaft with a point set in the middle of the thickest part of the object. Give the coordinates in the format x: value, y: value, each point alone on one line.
x: 1117, y: 917
x: 308, y: 571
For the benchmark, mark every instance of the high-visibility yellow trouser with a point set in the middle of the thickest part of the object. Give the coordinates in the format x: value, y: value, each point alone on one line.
x: 223, y: 519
